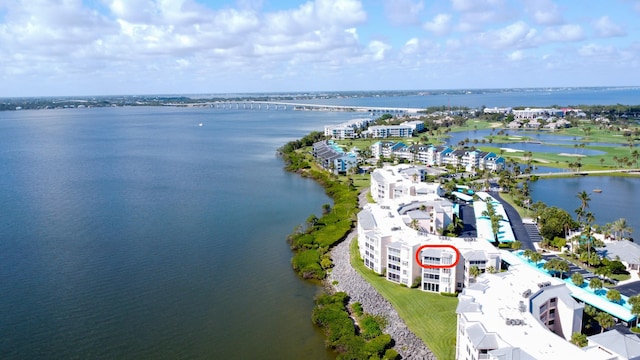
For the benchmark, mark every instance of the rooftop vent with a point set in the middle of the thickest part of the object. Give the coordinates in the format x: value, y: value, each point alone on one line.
x: 514, y: 321
x: 526, y: 293
x: 544, y: 284
x: 521, y: 306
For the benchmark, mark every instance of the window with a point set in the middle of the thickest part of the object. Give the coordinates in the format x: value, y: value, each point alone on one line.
x: 553, y: 300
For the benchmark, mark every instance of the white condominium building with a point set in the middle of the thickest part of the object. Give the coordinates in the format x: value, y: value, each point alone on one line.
x: 385, y: 131
x: 392, y: 182
x: 408, y: 215
x: 346, y: 130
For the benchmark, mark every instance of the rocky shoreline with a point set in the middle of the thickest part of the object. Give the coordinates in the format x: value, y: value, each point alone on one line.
x: 347, y: 279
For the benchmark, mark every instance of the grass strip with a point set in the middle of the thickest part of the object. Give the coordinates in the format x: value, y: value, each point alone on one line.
x: 432, y: 317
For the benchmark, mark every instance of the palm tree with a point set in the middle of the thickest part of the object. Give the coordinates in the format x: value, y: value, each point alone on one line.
x: 577, y: 279
x: 579, y: 339
x: 556, y: 265
x: 589, y: 219
x: 527, y: 253
x: 584, y: 201
x: 614, y: 295
x: 474, y: 271
x: 621, y: 228
x: 605, y: 320
x: 551, y: 266
x: 536, y: 257
x: 603, y: 271
x: 595, y: 284
x: 635, y: 306
x: 414, y: 224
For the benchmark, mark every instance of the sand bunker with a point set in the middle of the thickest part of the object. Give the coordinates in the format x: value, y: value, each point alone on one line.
x: 510, y: 150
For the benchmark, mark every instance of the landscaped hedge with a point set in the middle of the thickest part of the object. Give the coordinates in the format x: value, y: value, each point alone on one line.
x: 312, y: 243
x: 332, y: 315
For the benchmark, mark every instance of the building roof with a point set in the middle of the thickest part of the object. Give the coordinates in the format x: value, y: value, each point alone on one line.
x: 625, y: 345
x: 419, y: 215
x: 494, y: 302
x: 475, y: 255
x: 366, y: 219
x: 627, y: 251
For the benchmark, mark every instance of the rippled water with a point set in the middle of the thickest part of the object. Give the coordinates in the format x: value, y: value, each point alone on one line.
x: 135, y: 233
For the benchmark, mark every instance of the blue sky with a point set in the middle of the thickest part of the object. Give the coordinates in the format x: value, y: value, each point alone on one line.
x: 103, y: 47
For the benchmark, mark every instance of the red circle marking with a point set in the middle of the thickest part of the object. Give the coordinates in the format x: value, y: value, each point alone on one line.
x: 437, y: 266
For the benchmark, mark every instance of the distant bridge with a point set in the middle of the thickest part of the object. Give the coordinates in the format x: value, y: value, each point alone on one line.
x: 279, y: 105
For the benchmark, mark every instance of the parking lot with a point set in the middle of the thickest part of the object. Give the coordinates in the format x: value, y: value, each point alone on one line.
x: 630, y: 289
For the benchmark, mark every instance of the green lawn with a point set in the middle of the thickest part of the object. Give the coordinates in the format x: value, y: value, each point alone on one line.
x: 430, y: 316
x: 524, y: 213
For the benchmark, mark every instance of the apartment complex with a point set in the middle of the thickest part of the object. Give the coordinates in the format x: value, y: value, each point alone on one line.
x: 333, y: 158
x: 433, y: 155
x: 409, y: 214
x: 348, y: 129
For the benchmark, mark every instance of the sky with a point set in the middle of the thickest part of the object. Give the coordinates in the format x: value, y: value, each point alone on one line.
x: 112, y: 47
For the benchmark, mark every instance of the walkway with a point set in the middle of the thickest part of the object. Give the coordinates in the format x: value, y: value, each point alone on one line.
x: 516, y: 223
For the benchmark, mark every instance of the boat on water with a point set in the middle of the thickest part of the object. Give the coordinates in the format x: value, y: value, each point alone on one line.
x: 597, y: 190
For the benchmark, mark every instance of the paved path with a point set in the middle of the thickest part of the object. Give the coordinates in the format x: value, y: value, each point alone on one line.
x: 518, y: 227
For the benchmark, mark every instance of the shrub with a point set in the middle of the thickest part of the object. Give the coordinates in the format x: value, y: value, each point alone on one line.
x: 391, y: 354
x: 357, y: 308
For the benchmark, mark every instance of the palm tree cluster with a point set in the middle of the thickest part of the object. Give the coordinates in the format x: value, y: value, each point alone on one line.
x: 556, y: 266
x: 602, y: 318
x: 494, y: 217
x: 533, y: 256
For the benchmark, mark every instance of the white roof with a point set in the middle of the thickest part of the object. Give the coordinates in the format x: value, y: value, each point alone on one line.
x: 497, y: 298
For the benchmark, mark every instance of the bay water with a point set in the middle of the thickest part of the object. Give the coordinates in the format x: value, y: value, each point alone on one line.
x: 129, y: 233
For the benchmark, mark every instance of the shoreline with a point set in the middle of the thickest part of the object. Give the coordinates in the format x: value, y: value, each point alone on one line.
x: 406, y: 343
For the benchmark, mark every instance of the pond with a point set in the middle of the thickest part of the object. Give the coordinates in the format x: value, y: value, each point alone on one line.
x: 618, y: 199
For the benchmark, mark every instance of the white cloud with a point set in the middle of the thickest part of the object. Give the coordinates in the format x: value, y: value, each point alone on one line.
x: 564, y: 33
x: 595, y: 50
x: 403, y: 12
x: 119, y: 42
x: 411, y: 46
x: 544, y: 12
x: 516, y: 55
x: 475, y: 5
x: 378, y: 49
x: 478, y: 15
x: 604, y: 27
x: 517, y: 35
x: 440, y: 24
